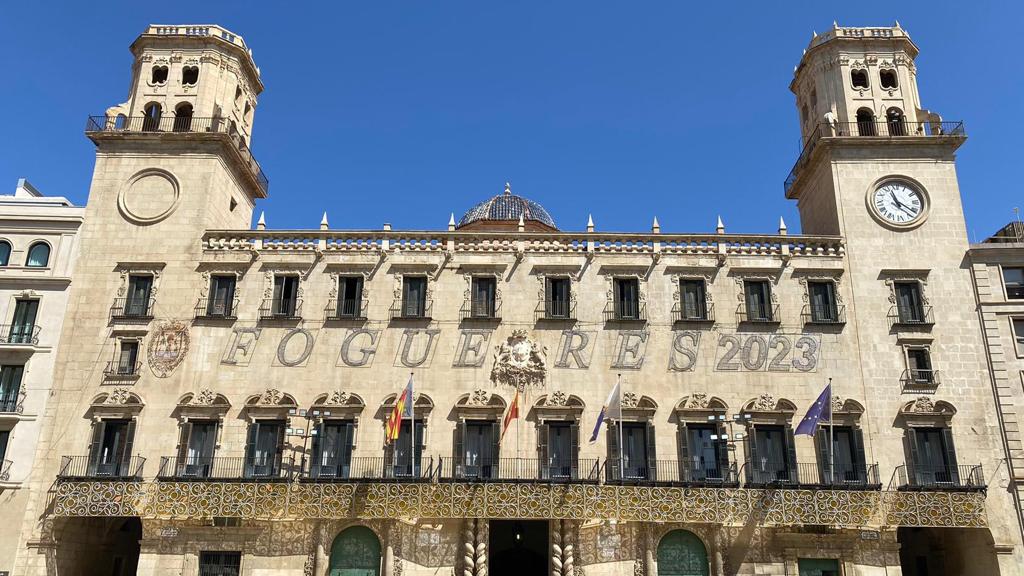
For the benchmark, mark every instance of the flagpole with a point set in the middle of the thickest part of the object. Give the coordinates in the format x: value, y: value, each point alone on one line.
x: 412, y: 427
x: 622, y: 471
x: 831, y: 438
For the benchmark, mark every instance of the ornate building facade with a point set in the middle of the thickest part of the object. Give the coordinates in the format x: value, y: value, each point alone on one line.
x: 241, y: 428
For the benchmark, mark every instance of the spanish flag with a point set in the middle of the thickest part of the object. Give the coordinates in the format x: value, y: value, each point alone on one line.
x: 402, y: 409
x: 512, y: 414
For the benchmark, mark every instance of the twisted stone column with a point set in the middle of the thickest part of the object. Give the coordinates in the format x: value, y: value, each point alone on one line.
x: 563, y: 561
x: 474, y: 548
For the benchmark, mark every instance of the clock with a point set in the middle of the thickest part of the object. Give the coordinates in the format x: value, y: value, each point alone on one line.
x: 898, y: 203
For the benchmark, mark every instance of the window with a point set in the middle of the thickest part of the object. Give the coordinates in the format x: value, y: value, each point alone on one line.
x: 10, y: 387
x: 332, y: 450
x: 23, y: 325
x: 476, y: 448
x: 859, y: 78
x: 693, y: 299
x: 111, y: 450
x: 823, y: 307
x: 895, y: 122
x: 1013, y: 280
x: 5, y: 436
x: 932, y: 457
x: 414, y: 296
x: 557, y: 293
x: 909, y: 303
x: 819, y: 567
x: 626, y: 299
x: 703, y: 453
x: 919, y: 366
x: 221, y: 301
x: 403, y: 457
x: 350, y: 297
x: 888, y: 78
x: 151, y: 117
x: 190, y: 75
x: 844, y: 463
x: 220, y: 563
x: 637, y: 456
x: 758, y: 299
x: 865, y: 123
x: 127, y: 362
x: 263, y: 449
x: 5, y: 253
x: 558, y: 450
x: 1018, y: 335
x: 183, y: 117
x: 286, y: 296
x: 772, y: 455
x: 483, y: 294
x: 136, y: 303
x: 38, y: 255
x: 159, y: 75
x: 195, y: 454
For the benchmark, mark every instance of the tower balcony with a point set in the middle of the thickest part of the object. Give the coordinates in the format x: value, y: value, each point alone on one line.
x: 100, y: 127
x: 878, y: 132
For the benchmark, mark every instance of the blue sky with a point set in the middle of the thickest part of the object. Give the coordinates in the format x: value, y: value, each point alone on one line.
x: 404, y: 112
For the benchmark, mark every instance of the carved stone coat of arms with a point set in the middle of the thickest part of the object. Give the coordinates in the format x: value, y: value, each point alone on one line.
x: 519, y: 362
x: 168, y: 347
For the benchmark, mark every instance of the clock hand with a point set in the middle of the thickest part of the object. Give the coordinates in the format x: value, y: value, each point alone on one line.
x: 896, y: 200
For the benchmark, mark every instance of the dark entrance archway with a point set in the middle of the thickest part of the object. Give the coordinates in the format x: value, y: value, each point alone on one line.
x: 87, y: 546
x: 947, y: 552
x: 518, y: 548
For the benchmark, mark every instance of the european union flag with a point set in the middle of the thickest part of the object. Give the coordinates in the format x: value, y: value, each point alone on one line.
x: 821, y: 410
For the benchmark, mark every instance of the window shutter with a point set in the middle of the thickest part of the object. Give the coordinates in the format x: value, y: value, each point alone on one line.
x: 947, y: 444
x: 652, y: 455
x: 612, y: 458
x: 186, y: 433
x: 94, y: 446
x: 355, y: 429
x: 574, y: 449
x: 316, y: 458
x: 791, y: 453
x: 821, y: 442
x: 495, y: 444
x: 915, y: 457
x: 458, y: 450
x: 543, y: 431
x: 419, y: 428
x: 129, y: 445
x: 250, y: 442
x: 682, y: 441
x: 358, y: 296
x: 722, y: 445
x: 860, y: 463
x: 752, y: 454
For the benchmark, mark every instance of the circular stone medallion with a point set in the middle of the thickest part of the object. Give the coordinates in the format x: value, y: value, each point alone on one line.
x: 149, y: 196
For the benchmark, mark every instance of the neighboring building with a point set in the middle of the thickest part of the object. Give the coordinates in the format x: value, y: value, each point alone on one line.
x: 38, y: 246
x: 223, y: 398
x: 997, y: 265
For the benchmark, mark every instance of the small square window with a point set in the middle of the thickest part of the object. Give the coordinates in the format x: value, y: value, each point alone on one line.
x: 859, y: 78
x: 919, y: 366
x: 888, y: 79
x: 1013, y: 279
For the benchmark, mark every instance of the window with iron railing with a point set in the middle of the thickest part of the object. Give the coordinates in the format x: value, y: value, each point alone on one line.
x: 910, y: 303
x: 693, y: 304
x: 1013, y: 280
x: 10, y: 388
x: 557, y: 298
x: 483, y: 297
x: 626, y: 299
x: 919, y: 367
x: 126, y: 360
x: 350, y: 297
x: 136, y: 303
x: 285, y: 302
x: 823, y: 306
x: 757, y: 302
x: 220, y: 302
x: 23, y: 325
x: 414, y: 297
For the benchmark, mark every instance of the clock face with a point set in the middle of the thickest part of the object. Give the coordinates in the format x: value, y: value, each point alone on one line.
x: 898, y: 203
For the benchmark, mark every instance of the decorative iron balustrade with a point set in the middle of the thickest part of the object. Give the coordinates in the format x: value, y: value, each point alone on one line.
x: 81, y: 467
x: 118, y: 369
x: 625, y: 311
x: 555, y: 310
x: 768, y: 314
x: 281, y: 309
x: 27, y: 334
x: 823, y: 315
x: 217, y: 309
x: 13, y: 402
x: 484, y: 310
x: 346, y: 309
x: 518, y: 470
x: 181, y: 125
x: 817, y: 474
x: 910, y: 316
x: 670, y: 473
x: 412, y: 310
x: 274, y: 467
x: 872, y: 129
x: 915, y: 379
x: 5, y: 470
x: 361, y: 468
x: 942, y: 478
x: 703, y: 312
x: 132, y: 309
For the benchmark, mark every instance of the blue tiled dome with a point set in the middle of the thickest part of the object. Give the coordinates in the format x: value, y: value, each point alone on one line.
x: 507, y: 206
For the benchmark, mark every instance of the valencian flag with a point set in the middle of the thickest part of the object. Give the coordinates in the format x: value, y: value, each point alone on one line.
x: 402, y: 409
x: 612, y: 409
x: 820, y: 411
x: 512, y: 414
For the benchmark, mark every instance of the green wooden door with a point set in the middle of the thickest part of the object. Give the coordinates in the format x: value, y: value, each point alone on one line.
x: 818, y: 567
x: 355, y: 552
x: 681, y: 553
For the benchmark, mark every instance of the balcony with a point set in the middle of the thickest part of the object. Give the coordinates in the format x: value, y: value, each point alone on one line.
x: 412, y: 310
x: 281, y: 309
x: 132, y: 309
x: 19, y: 335
x: 918, y: 380
x: 968, y: 478
x: 195, y: 468
x: 346, y: 309
x: 518, y: 470
x: 85, y: 467
x: 122, y: 370
x: 704, y: 313
x: 811, y: 475
x: 220, y: 128
x: 871, y: 131
x: 769, y: 314
x: 823, y: 315
x: 480, y: 311
x: 902, y: 316
x: 670, y: 473
x: 368, y: 469
x: 555, y: 311
x: 625, y: 311
x: 216, y: 309
x: 13, y: 402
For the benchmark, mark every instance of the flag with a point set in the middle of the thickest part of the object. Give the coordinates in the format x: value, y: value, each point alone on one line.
x: 512, y: 414
x: 402, y: 409
x: 612, y: 409
x: 820, y: 411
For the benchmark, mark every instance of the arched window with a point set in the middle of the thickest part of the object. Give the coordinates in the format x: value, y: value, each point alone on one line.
x: 190, y: 75
x: 865, y: 123
x: 159, y: 75
x: 151, y: 120
x: 183, y: 117
x: 355, y: 551
x: 5, y: 253
x: 681, y: 553
x: 888, y: 79
x: 859, y: 78
x: 896, y: 122
x: 38, y: 255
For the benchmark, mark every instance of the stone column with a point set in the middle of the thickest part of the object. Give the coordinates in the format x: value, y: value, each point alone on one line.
x: 563, y: 551
x: 389, y: 558
x: 474, y: 547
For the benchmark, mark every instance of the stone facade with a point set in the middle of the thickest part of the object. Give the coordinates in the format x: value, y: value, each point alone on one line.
x: 720, y: 343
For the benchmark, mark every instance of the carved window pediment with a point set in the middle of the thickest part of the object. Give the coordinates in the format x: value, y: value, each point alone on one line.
x: 558, y: 406
x: 202, y: 405
x: 480, y: 403
x: 338, y: 404
x: 120, y: 402
x: 697, y: 407
x: 271, y: 403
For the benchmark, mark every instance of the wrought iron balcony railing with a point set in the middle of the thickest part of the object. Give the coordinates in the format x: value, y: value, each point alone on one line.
x: 94, y: 468
x: 945, y: 478
x: 122, y: 369
x: 910, y: 316
x: 224, y: 468
x: 625, y: 311
x: 838, y: 476
x: 180, y: 125
x: 556, y: 310
x: 835, y: 314
x: 281, y: 309
x: 768, y: 314
x: 518, y: 470
x: 346, y: 309
x: 670, y: 472
x: 703, y: 312
x: 13, y: 402
x: 27, y: 334
x: 412, y: 309
x: 918, y: 379
x: 487, y: 310
x: 871, y: 129
x: 361, y: 468
x: 132, y: 309
x: 5, y: 470
x: 217, y: 309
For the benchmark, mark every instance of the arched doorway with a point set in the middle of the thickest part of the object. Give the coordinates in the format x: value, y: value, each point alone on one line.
x: 681, y: 553
x: 355, y: 552
x: 947, y: 552
x: 97, y: 545
x: 865, y: 123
